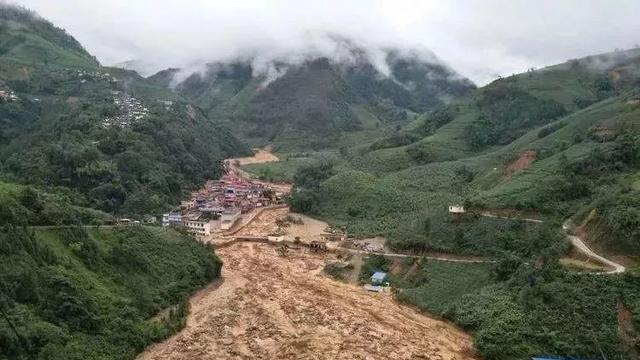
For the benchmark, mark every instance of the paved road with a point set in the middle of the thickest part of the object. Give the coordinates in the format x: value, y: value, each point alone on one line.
x: 486, y: 214
x: 584, y: 248
x: 53, y: 227
x: 576, y: 242
x: 438, y: 258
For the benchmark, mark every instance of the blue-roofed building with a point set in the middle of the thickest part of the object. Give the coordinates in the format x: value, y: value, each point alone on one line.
x: 378, y: 278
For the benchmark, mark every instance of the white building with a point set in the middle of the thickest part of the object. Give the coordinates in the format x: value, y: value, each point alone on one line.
x: 201, y: 227
x: 171, y: 219
x: 456, y: 209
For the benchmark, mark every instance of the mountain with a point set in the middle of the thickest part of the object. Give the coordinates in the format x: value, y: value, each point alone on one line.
x: 582, y: 113
x: 557, y: 143
x: 313, y: 102
x: 126, y: 144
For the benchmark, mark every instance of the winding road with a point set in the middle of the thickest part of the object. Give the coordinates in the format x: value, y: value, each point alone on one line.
x: 584, y: 248
x: 577, y: 243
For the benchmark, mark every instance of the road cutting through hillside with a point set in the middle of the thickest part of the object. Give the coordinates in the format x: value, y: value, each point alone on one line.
x: 273, y: 307
x: 577, y: 242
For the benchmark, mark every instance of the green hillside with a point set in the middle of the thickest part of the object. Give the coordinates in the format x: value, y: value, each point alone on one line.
x: 127, y: 144
x: 26, y: 205
x: 314, y: 104
x: 390, y: 186
x: 26, y: 38
x: 94, y: 293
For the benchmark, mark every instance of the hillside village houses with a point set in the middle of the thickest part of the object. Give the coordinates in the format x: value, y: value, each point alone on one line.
x: 128, y: 111
x: 8, y: 96
x: 218, y: 205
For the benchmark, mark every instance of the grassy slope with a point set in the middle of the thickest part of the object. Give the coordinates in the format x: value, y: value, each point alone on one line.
x: 25, y: 47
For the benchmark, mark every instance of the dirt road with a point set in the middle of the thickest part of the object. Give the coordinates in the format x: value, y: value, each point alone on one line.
x: 270, y: 307
x: 260, y: 156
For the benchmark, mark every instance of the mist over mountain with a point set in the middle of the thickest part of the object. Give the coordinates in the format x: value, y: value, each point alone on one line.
x: 333, y: 85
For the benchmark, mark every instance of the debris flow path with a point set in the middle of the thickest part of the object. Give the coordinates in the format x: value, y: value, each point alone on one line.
x: 273, y: 307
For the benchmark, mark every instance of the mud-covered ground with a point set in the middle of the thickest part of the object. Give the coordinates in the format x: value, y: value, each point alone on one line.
x: 272, y: 307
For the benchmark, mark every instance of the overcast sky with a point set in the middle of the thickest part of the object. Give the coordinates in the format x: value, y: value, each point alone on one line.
x: 480, y: 39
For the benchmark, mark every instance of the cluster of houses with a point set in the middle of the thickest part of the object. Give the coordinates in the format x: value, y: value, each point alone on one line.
x: 167, y: 104
x: 8, y: 96
x: 92, y: 75
x: 217, y: 206
x: 129, y: 110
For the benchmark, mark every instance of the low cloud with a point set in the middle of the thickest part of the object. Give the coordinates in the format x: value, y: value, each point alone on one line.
x: 479, y: 39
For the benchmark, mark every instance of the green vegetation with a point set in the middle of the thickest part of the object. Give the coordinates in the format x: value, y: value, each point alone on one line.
x: 91, y: 294
x: 561, y: 315
x: 27, y: 38
x: 54, y: 134
x: 26, y: 205
x: 338, y: 270
x: 434, y: 285
x: 283, y: 170
x: 506, y: 113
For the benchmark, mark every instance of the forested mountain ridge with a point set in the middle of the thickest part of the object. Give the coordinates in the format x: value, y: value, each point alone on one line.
x: 127, y: 145
x: 313, y: 102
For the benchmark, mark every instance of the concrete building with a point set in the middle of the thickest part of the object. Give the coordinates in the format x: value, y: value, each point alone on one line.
x: 456, y: 209
x: 201, y: 227
x: 171, y: 219
x: 228, y: 218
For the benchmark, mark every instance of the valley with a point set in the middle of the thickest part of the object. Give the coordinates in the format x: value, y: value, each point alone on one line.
x: 269, y: 305
x: 266, y: 305
x: 342, y: 199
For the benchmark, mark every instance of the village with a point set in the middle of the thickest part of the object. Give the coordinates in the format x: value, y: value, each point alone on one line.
x: 216, y: 208
x: 8, y: 96
x: 85, y: 75
x: 128, y: 111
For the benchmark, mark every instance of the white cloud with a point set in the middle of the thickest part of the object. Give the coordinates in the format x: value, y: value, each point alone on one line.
x: 479, y: 38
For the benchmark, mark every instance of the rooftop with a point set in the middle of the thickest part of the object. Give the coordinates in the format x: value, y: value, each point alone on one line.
x: 379, y: 276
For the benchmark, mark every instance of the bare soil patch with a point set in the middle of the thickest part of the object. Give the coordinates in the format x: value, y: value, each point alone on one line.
x: 523, y: 162
x: 260, y: 156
